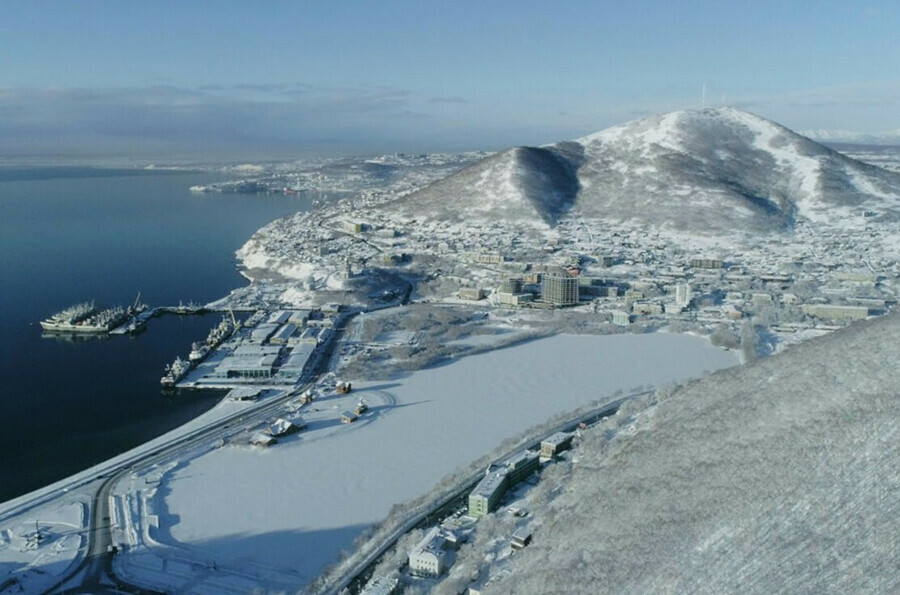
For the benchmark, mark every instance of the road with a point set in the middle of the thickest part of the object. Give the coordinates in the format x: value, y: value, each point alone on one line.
x: 96, y: 566
x: 95, y: 573
x: 358, y: 569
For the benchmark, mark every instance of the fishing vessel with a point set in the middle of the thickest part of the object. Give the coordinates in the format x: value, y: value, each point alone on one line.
x: 217, y: 335
x: 69, y: 316
x: 198, y: 351
x: 85, y: 318
x: 175, y: 372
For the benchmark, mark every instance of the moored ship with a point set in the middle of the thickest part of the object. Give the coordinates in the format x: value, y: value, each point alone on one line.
x: 175, y: 372
x: 70, y: 315
x: 198, y: 351
x: 85, y: 318
x: 217, y: 335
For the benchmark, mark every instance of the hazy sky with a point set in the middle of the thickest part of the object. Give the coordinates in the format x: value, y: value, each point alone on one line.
x: 245, y: 79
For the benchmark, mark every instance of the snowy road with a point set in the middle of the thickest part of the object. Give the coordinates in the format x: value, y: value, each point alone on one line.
x: 353, y: 573
x: 96, y: 569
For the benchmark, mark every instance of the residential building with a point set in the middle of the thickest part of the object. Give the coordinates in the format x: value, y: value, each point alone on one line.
x: 560, y: 289
x: 621, y: 318
x: 486, y: 496
x: 707, y: 263
x: 555, y: 443
x: 510, y: 285
x: 521, y: 466
x: 470, y: 293
x: 513, y: 299
x: 836, y: 312
x: 428, y: 557
x: 282, y: 427
x: 646, y: 308
x: 683, y: 294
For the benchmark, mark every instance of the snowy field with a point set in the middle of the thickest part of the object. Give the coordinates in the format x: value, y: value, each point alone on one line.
x: 296, y: 505
x: 36, y: 549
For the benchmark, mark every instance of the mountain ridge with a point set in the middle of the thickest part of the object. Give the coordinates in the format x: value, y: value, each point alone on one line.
x: 714, y: 170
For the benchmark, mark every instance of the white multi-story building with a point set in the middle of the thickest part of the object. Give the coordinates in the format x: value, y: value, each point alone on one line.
x: 428, y: 557
x: 683, y: 294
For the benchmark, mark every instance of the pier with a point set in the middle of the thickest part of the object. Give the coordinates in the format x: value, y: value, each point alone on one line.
x: 79, y: 319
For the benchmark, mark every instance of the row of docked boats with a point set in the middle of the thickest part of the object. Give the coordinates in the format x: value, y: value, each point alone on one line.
x: 217, y: 335
x: 88, y: 318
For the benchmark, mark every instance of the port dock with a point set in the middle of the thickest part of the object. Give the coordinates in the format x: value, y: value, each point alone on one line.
x: 137, y: 323
x: 88, y: 319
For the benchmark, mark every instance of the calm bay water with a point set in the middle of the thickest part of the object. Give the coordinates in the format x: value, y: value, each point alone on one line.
x: 75, y: 234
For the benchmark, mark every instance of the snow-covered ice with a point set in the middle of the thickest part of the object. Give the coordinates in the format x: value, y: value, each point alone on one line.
x: 297, y: 504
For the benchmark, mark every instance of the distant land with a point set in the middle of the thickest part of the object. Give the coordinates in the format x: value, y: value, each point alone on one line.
x: 854, y: 138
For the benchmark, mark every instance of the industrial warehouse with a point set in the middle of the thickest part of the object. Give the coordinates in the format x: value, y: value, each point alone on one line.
x: 269, y: 349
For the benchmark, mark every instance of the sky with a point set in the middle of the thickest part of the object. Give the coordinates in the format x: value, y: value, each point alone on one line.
x: 220, y: 80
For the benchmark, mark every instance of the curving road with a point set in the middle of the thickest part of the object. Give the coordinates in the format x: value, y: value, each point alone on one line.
x: 95, y: 572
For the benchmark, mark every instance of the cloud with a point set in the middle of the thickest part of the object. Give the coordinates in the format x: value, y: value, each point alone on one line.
x: 263, y: 88
x: 208, y: 117
x: 451, y: 99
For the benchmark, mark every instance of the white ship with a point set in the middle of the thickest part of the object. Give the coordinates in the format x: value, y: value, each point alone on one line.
x: 198, y: 351
x: 85, y: 318
x: 175, y: 372
x: 217, y: 335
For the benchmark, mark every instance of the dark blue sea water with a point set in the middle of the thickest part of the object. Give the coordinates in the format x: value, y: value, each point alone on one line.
x: 74, y: 234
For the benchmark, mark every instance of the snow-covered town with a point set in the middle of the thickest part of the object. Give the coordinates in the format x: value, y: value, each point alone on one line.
x: 817, y: 280
x: 450, y: 298
x: 369, y: 322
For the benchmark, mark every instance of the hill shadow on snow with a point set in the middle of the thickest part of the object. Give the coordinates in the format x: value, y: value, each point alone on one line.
x: 548, y: 178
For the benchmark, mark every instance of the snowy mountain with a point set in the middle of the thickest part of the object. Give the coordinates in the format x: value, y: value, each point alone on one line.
x: 523, y: 183
x: 711, y: 170
x: 779, y: 476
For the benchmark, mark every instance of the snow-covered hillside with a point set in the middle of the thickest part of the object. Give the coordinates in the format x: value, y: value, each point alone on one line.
x: 715, y: 170
x: 780, y: 476
x: 523, y: 184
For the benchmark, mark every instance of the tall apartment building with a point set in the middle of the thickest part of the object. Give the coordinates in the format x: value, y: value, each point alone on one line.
x: 560, y: 289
